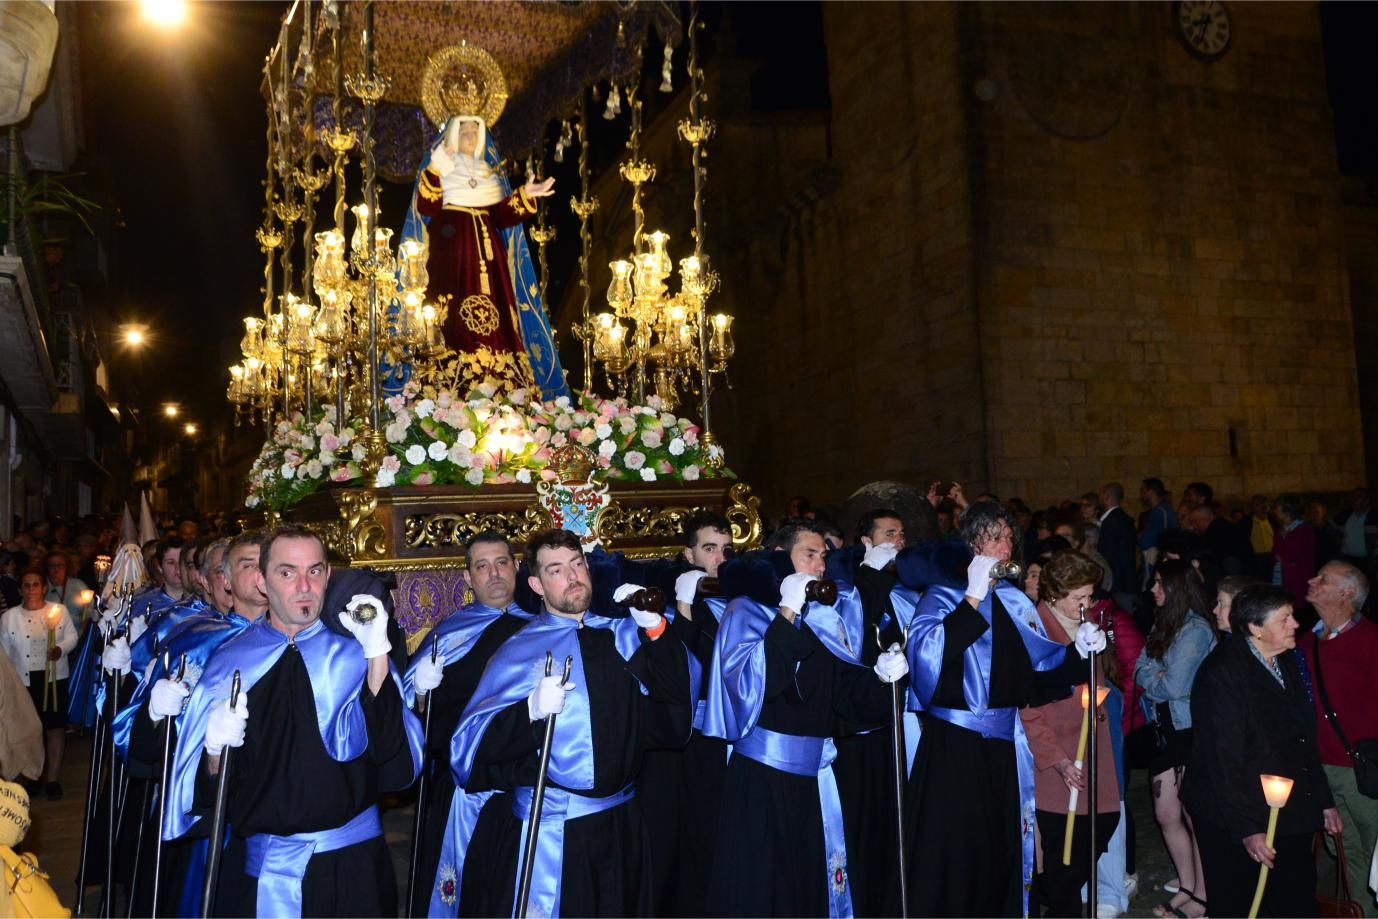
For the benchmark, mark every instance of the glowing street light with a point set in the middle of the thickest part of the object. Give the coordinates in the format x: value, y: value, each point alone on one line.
x: 190, y: 429
x: 164, y: 13
x: 171, y: 409
x: 134, y: 334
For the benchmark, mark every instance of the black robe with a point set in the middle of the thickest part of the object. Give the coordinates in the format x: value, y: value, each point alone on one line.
x: 607, y: 862
x: 681, y: 792
x: 770, y: 854
x: 282, y: 781
x: 865, y: 769
x: 449, y: 700
x: 962, y: 811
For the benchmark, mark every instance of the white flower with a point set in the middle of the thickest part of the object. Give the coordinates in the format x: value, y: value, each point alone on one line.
x: 251, y: 501
x: 458, y: 455
x: 634, y: 459
x: 327, y: 457
x: 314, y: 469
x: 626, y: 424
x: 562, y: 402
x: 396, y: 432
x: 607, y: 448
x: 357, y: 452
x: 563, y: 422
x: 651, y: 439
x: 324, y: 427
x: 518, y: 396
x: 425, y: 407
x: 524, y: 476
x: 437, y: 450
x: 467, y: 439
x: 648, y: 474
x: 416, y: 454
x: 474, y: 476
x: 307, y: 442
x: 667, y: 419
x: 604, y: 431
x: 690, y: 473
x: 677, y: 447
x: 385, y: 478
x: 287, y: 470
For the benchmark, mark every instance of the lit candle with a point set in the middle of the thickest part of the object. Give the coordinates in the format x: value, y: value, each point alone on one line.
x: 50, y: 665
x: 1276, y: 790
x: 1074, y: 796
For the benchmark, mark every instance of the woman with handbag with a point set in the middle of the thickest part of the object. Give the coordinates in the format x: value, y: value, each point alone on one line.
x: 1177, y: 644
x: 1250, y: 700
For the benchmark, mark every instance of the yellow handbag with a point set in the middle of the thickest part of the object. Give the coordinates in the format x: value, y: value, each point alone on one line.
x: 27, y: 889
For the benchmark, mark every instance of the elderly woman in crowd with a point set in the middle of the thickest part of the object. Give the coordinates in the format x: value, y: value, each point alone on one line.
x: 1250, y: 700
x: 1053, y: 729
x: 1177, y: 644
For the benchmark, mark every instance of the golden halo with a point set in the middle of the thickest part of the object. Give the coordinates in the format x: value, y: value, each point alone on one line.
x: 463, y: 80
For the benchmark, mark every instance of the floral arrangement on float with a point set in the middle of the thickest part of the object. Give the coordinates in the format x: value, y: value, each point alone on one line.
x: 436, y: 437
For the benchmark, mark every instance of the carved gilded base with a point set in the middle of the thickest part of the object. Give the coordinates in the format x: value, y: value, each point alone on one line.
x: 418, y: 528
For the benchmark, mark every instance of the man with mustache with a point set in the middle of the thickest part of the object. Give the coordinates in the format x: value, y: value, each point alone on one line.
x: 328, y: 734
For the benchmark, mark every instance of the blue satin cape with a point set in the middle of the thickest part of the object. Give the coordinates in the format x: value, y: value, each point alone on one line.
x: 925, y: 654
x: 512, y: 674
x: 337, y: 669
x: 458, y: 632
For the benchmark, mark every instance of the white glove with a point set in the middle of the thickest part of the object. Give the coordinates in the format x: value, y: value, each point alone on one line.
x: 115, y: 657
x: 891, y: 665
x: 373, y: 635
x: 792, y: 591
x: 1090, y: 637
x: 107, y: 621
x: 687, y: 585
x: 226, y: 726
x: 442, y: 161
x: 978, y: 576
x: 137, y: 626
x: 548, y: 698
x: 427, y: 675
x: 878, y: 556
x: 646, y: 619
x: 165, y: 700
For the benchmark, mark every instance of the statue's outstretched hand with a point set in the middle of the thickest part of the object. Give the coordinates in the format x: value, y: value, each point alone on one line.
x: 540, y: 189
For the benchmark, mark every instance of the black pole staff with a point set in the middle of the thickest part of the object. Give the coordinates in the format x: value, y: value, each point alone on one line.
x: 533, y: 825
x: 222, y: 793
x: 1093, y: 718
x: 421, y: 802
x: 112, y: 702
x: 897, y: 737
x: 92, y: 779
x: 162, y: 794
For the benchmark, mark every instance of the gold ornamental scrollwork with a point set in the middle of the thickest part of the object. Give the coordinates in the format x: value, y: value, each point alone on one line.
x: 441, y: 531
x: 618, y: 522
x: 463, y: 79
x: 744, y: 513
x: 361, y: 537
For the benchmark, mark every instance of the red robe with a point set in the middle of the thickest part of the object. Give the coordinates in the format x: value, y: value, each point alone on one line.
x: 468, y: 263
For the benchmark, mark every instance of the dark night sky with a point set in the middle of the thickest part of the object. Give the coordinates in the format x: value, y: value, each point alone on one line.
x: 175, y: 130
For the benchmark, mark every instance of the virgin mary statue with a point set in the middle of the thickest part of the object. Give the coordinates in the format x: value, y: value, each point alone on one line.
x: 464, y: 204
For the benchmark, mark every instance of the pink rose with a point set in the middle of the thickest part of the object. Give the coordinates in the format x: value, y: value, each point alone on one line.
x: 341, y: 474
x: 330, y: 442
x: 423, y: 478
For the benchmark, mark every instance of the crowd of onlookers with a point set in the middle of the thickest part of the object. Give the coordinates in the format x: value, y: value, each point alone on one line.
x: 48, y: 577
x: 1217, y: 613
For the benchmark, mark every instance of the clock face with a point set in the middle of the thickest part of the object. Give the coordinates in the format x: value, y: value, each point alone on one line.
x: 1204, y: 25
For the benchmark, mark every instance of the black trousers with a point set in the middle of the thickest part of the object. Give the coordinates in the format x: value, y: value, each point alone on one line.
x: 1232, y: 876
x: 1059, y: 885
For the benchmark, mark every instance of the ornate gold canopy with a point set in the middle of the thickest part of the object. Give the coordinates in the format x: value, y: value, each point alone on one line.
x: 463, y: 79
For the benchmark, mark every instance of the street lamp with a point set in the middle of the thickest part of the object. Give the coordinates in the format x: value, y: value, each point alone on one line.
x: 190, y: 429
x: 164, y: 13
x: 171, y: 409
x: 134, y: 334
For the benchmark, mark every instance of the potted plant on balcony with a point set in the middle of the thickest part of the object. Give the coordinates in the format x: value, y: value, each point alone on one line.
x: 49, y: 196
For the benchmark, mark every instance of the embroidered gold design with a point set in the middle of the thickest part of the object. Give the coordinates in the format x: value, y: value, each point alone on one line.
x: 479, y: 314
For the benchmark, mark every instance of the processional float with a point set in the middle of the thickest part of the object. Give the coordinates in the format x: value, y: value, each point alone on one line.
x: 389, y: 430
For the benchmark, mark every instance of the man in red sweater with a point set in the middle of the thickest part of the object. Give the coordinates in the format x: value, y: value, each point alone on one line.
x: 1347, y: 647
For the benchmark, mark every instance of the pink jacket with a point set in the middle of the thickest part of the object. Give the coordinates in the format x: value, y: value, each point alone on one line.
x: 1128, y: 641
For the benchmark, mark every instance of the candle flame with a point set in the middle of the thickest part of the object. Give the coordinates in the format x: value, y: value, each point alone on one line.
x: 1102, y: 692
x: 1276, y: 789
